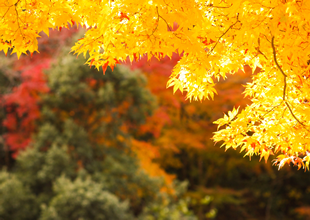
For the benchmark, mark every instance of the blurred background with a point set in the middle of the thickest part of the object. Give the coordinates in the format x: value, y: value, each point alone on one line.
x: 79, y: 145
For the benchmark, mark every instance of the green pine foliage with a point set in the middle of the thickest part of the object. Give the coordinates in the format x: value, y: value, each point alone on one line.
x: 83, y: 199
x: 17, y: 201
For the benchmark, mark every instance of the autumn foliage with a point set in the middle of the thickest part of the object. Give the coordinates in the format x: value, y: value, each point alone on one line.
x: 215, y: 38
x: 82, y: 123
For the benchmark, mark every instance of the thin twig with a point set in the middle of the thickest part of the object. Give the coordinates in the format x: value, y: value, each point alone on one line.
x: 156, y: 22
x: 213, y: 6
x: 272, y: 109
x: 279, y: 67
x: 259, y: 51
x: 218, y: 40
x: 285, y: 83
x: 168, y: 25
x: 17, y: 17
x: 291, y: 111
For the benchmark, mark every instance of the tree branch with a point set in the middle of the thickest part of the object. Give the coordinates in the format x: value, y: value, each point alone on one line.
x: 279, y: 67
x: 285, y: 83
x: 289, y: 108
x: 222, y: 36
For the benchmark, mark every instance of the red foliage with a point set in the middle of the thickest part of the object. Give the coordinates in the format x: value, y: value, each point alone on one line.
x: 158, y: 72
x: 22, y: 104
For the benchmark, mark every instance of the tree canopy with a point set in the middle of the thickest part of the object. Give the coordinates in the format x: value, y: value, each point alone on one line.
x: 215, y: 38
